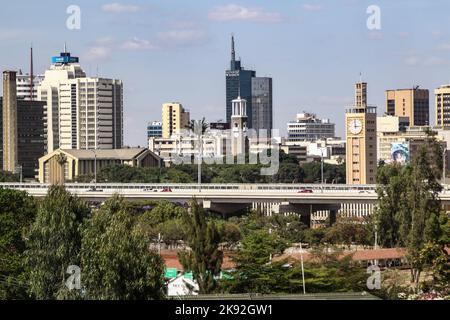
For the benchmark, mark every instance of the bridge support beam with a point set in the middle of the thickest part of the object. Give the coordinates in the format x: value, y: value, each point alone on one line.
x: 306, y: 210
x: 332, y: 218
x: 226, y: 209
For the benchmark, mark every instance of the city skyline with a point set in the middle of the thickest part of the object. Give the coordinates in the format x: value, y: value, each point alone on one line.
x: 174, y: 51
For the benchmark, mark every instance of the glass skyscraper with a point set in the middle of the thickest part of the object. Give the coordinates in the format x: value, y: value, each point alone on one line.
x: 255, y: 90
x: 238, y: 83
x: 262, y: 104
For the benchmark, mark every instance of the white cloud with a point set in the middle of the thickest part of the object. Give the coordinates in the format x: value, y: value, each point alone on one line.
x: 104, y: 40
x: 97, y: 53
x: 444, y: 46
x: 138, y: 44
x: 119, y: 8
x: 233, y: 12
x: 312, y: 7
x: 375, y: 35
x: 182, y: 37
x: 412, y: 61
x: 435, y: 62
x: 426, y: 61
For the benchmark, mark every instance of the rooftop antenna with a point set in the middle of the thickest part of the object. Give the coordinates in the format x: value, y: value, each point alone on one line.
x: 233, y: 52
x: 31, y: 73
x: 360, y: 76
x: 65, y: 47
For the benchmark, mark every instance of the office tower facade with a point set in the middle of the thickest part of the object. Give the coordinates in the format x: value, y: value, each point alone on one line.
x: 307, y: 127
x: 154, y: 129
x: 174, y: 119
x: 442, y: 98
x: 361, y: 139
x: 262, y: 117
x: 28, y: 136
x: 81, y: 112
x: 238, y: 83
x: 9, y: 119
x: 239, y: 127
x: 90, y: 114
x: 412, y: 103
x: 24, y: 90
x: 30, y: 139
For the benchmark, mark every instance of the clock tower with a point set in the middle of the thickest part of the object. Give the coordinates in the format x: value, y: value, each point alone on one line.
x: 361, y: 142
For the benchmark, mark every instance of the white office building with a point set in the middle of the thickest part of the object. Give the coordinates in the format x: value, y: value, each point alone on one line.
x: 81, y: 112
x: 24, y: 86
x: 307, y: 127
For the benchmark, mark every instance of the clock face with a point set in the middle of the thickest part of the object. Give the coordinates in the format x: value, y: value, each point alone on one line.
x: 355, y: 126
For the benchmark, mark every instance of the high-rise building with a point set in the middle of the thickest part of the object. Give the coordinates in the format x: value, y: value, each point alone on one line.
x: 154, y: 129
x: 90, y: 114
x: 238, y: 83
x: 307, y: 127
x: 257, y: 91
x: 24, y: 86
x: 9, y: 119
x: 174, y: 119
x: 361, y: 139
x: 413, y: 103
x: 28, y: 136
x: 262, y: 104
x: 442, y: 96
x: 81, y: 112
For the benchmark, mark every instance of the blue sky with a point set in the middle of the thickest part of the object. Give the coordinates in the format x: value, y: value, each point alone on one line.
x: 178, y: 50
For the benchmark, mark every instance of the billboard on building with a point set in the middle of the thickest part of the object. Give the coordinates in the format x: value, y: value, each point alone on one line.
x: 400, y: 152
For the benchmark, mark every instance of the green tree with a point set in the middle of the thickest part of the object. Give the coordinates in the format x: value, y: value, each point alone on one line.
x: 254, y: 271
x: 6, y: 176
x: 409, y: 209
x: 17, y: 211
x: 204, y: 258
x: 54, y: 242
x: 289, y: 173
x: 61, y: 159
x: 116, y: 261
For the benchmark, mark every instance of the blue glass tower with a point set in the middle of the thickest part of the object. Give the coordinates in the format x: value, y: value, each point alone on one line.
x: 238, y: 83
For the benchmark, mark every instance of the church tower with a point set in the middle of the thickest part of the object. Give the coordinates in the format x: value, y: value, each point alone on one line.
x: 238, y: 126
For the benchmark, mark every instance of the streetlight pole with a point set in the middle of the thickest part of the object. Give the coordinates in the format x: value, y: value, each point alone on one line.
x: 321, y: 165
x: 444, y: 156
x: 303, y: 270
x: 95, y: 169
x: 199, y: 164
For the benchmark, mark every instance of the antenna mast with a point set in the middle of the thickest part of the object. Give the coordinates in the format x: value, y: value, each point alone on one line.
x: 31, y: 73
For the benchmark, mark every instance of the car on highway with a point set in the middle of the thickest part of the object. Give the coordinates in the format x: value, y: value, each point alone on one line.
x: 166, y: 190
x: 305, y: 191
x: 150, y: 189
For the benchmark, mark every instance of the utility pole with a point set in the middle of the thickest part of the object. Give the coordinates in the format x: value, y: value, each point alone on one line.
x: 199, y: 164
x: 303, y: 270
x: 444, y: 164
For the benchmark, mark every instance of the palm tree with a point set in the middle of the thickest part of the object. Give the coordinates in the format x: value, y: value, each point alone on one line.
x: 61, y: 158
x: 195, y: 125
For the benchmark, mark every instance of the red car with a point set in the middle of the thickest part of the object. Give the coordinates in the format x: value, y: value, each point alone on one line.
x: 166, y: 190
x: 305, y: 191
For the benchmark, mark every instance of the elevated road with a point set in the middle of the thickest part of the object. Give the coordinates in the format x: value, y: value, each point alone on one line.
x: 231, y: 198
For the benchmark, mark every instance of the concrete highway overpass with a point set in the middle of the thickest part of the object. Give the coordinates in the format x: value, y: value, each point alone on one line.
x: 230, y: 198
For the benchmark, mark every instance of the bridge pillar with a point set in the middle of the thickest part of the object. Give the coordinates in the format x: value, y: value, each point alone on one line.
x: 306, y: 219
x: 333, y: 214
